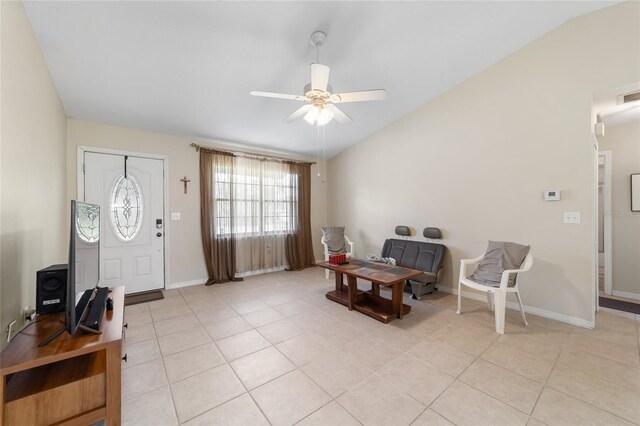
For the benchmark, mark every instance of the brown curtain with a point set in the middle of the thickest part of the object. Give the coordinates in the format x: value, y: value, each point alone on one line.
x: 298, y: 244
x: 216, y: 215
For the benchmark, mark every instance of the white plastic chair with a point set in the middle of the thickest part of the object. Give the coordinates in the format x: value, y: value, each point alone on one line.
x: 349, y: 253
x: 498, y: 294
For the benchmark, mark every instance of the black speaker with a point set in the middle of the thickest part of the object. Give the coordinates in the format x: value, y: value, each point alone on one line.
x: 51, y: 287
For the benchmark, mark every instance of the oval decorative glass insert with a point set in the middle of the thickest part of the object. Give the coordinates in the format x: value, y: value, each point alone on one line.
x: 126, y: 208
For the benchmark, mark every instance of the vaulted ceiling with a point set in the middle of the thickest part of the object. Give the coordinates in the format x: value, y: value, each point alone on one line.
x: 186, y: 68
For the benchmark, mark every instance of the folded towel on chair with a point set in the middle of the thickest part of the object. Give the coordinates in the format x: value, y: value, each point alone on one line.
x: 379, y: 259
x: 500, y: 256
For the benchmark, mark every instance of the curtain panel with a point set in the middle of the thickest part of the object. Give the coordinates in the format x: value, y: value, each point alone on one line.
x: 263, y: 213
x: 217, y: 215
x: 298, y: 244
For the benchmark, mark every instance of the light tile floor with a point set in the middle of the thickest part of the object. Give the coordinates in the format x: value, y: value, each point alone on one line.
x: 273, y: 350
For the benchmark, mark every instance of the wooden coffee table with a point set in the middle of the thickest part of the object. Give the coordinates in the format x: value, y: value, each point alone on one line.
x: 370, y: 302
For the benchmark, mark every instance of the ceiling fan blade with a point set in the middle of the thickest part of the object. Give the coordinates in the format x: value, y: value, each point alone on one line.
x: 338, y: 115
x: 366, y: 95
x: 298, y: 113
x: 278, y: 95
x: 319, y: 77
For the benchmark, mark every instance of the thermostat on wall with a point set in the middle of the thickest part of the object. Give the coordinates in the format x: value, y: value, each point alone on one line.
x: 553, y: 195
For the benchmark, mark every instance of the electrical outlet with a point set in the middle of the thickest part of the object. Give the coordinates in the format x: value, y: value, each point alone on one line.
x: 572, y: 218
x: 175, y: 216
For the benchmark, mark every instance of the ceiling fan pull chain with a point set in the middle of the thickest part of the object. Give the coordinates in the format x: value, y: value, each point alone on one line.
x: 324, y: 153
x: 318, y: 146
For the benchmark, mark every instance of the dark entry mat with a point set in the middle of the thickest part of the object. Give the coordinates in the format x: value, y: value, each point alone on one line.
x: 144, y: 297
x: 620, y: 305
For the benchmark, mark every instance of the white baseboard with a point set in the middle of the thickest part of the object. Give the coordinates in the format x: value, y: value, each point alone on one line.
x: 261, y: 271
x: 528, y: 309
x: 201, y: 281
x: 626, y: 295
x: 173, y: 286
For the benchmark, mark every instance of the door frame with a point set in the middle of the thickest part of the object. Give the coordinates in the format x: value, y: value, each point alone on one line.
x: 82, y: 149
x: 596, y: 230
x: 608, y: 228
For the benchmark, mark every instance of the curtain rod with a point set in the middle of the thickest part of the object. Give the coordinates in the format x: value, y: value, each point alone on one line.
x: 250, y: 155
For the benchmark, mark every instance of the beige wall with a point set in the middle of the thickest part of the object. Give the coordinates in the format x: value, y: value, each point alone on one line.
x: 186, y: 262
x: 624, y: 143
x: 475, y: 161
x: 32, y: 167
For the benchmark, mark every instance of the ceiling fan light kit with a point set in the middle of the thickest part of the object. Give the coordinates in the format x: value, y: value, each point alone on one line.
x: 312, y: 115
x: 319, y: 96
x: 324, y: 117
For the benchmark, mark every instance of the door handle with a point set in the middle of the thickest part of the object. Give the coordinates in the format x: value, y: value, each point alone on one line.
x: 159, y: 234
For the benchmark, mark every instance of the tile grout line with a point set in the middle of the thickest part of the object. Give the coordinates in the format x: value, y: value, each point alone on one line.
x: 303, y: 372
x: 247, y: 390
x: 495, y: 341
x: 606, y: 379
x: 332, y: 399
x: 170, y: 387
x: 592, y: 406
x: 175, y: 410
x: 571, y: 396
x: 428, y: 406
x: 370, y: 333
x: 164, y: 367
x: 234, y: 372
x: 456, y: 378
x: 544, y: 385
x: 376, y: 372
x: 275, y: 378
x: 317, y: 384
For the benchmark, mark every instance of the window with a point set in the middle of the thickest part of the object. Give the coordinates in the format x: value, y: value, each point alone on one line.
x: 126, y: 208
x: 264, y: 199
x: 278, y: 202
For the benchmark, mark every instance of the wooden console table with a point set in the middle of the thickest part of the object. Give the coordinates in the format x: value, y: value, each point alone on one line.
x: 370, y: 302
x: 74, y: 380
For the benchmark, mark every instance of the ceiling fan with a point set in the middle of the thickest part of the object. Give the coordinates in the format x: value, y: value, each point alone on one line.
x: 320, y: 100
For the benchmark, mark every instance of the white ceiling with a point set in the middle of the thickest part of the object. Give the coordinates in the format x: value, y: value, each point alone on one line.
x: 186, y: 68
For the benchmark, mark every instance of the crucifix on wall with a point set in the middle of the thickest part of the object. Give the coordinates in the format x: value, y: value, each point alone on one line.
x: 186, y: 181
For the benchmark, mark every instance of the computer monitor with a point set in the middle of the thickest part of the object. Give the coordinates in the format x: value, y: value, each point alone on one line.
x: 83, y: 270
x: 84, y: 259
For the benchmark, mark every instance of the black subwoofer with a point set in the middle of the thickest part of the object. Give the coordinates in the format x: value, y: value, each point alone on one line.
x: 51, y: 287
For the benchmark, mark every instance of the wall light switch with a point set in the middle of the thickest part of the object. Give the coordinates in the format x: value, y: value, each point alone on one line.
x: 175, y: 216
x: 572, y: 217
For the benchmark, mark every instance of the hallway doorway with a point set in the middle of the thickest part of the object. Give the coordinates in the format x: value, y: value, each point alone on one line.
x: 617, y: 131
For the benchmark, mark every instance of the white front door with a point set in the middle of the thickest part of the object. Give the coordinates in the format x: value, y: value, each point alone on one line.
x: 132, y: 218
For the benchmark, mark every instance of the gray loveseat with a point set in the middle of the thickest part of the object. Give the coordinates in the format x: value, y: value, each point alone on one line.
x: 423, y: 256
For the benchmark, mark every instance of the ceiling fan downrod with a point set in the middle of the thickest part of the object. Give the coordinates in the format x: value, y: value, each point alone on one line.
x: 317, y: 39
